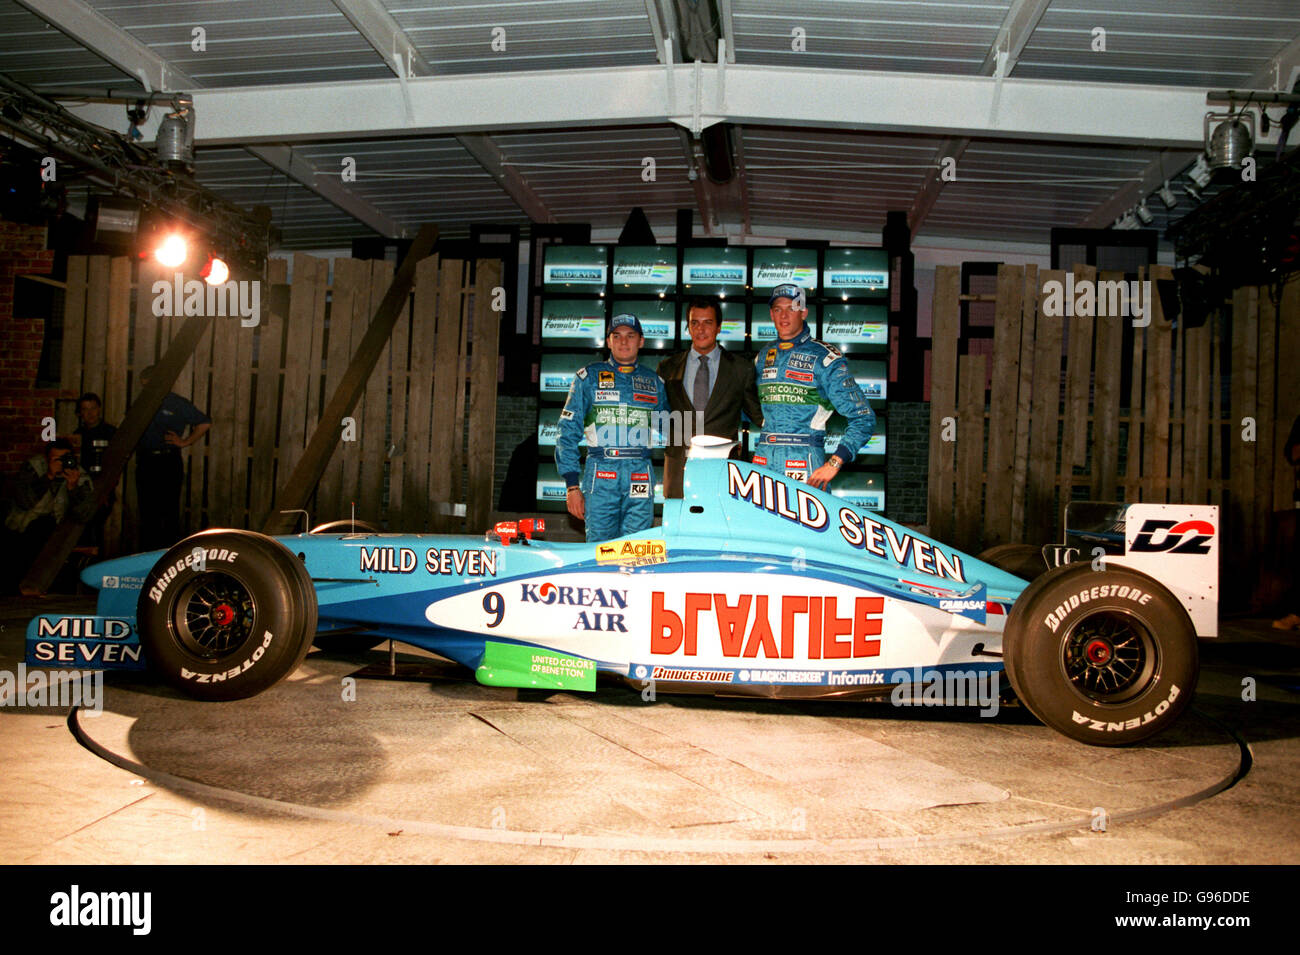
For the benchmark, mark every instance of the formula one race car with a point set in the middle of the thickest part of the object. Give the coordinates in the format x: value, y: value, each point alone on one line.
x: 755, y: 585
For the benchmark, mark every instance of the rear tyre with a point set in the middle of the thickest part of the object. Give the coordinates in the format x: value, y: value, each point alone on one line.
x: 232, y: 624
x: 1105, y: 657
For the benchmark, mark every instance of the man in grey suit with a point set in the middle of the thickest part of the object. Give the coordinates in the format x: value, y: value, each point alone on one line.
x: 710, y: 379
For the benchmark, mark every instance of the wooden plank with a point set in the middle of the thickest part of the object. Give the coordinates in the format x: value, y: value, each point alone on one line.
x: 74, y: 337
x: 1105, y: 403
x: 241, y: 444
x: 222, y: 440
x: 115, y: 366
x: 415, y: 489
x: 350, y: 489
x: 972, y: 374
x: 446, y: 379
x: 301, y: 483
x: 316, y: 350
x: 1245, y: 375
x: 1156, y: 436
x: 1002, y: 403
x: 297, y: 356
x: 1024, y: 395
x: 1288, y: 390
x: 95, y: 355
x: 943, y: 398
x: 481, y: 453
x: 1040, y: 504
x: 374, y: 429
x: 1078, y: 375
x: 399, y: 436
x: 1133, y: 460
x: 266, y: 408
x: 197, y: 455
x: 1265, y: 445
x: 347, y: 276
x: 1196, y: 432
x: 458, y: 448
x: 144, y: 352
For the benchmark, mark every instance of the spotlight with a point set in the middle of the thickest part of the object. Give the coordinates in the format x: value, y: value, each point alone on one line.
x: 1144, y: 213
x: 1232, y: 140
x: 215, y: 272
x: 172, y: 251
x: 1192, y: 191
x: 1127, y: 221
x: 1167, y: 196
x: 1200, y: 172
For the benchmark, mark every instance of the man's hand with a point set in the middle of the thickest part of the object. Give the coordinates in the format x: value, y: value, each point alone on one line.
x: 173, y: 439
x: 71, y: 476
x: 822, y: 476
x: 576, y: 503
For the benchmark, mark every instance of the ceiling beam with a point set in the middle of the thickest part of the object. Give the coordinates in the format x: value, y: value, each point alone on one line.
x: 1277, y: 73
x: 105, y: 38
x: 381, y: 31
x: 920, y: 103
x: 1017, y: 27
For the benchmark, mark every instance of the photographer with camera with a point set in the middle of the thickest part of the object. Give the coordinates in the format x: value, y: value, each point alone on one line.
x: 46, y: 490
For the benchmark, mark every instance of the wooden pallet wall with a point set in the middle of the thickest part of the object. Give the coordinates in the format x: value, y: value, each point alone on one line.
x: 1052, y: 427
x: 264, y: 387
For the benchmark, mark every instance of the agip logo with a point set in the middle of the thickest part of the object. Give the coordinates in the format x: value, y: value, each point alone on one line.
x: 635, y: 552
x: 1173, y: 537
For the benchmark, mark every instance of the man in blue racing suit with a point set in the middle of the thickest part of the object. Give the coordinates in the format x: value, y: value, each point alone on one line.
x: 613, y: 403
x: 801, y: 382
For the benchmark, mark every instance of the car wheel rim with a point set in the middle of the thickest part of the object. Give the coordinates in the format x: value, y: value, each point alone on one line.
x: 214, y: 615
x: 1109, y: 657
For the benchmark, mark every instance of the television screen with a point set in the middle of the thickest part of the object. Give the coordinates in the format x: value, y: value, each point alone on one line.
x: 774, y: 267
x: 855, y: 272
x: 853, y: 328
x: 864, y: 489
x: 576, y: 322
x: 645, y: 268
x: 575, y: 268
x: 721, y: 270
x: 657, y: 316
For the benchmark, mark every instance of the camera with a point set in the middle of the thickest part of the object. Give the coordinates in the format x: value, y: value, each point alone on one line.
x: 69, y: 461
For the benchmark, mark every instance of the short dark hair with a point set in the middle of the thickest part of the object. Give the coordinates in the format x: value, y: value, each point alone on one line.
x: 89, y: 396
x: 59, y: 444
x: 706, y: 301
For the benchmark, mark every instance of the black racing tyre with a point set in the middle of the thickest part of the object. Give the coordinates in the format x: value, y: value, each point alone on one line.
x: 345, y: 526
x: 1106, y: 657
x: 233, y: 626
x: 1023, y: 560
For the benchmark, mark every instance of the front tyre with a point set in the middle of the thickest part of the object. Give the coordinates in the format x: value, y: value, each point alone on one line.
x: 226, y: 614
x: 1105, y: 657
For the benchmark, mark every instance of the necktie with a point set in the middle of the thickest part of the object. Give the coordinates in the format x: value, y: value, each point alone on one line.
x: 701, y: 397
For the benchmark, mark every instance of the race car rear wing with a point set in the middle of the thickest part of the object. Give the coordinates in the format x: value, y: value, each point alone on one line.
x: 1175, y: 544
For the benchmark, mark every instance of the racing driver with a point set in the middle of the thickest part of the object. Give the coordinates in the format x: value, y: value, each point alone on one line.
x: 801, y: 382
x: 613, y: 403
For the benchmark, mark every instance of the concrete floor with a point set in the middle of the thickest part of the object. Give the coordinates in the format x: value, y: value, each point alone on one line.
x: 444, y: 770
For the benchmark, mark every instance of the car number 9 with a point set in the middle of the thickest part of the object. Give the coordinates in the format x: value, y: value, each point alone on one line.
x: 492, y: 603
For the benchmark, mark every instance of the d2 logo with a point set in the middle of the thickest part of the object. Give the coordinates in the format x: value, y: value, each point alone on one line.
x: 1185, y: 537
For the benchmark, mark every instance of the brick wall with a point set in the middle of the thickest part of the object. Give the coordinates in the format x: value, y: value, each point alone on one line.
x: 516, y: 421
x: 22, y: 404
x: 907, y: 461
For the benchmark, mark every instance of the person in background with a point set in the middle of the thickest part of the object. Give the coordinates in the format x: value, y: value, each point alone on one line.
x: 1291, y: 451
x: 48, y: 488
x: 94, y: 433
x: 159, y: 471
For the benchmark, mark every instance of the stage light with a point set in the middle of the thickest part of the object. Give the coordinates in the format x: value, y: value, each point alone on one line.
x: 172, y: 251
x: 215, y: 272
x: 1144, y: 213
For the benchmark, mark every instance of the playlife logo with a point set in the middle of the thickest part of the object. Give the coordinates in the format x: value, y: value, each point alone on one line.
x: 177, y: 297
x: 1088, y: 299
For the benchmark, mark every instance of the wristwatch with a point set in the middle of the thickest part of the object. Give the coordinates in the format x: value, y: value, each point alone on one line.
x: 835, y: 462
